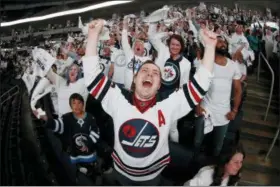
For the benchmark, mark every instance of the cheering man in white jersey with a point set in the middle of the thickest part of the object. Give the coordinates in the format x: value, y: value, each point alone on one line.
x: 142, y: 118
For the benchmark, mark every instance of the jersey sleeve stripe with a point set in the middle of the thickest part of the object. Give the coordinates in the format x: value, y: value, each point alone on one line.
x: 104, y: 90
x: 194, y: 93
x: 92, y: 138
x: 94, y: 134
x: 187, y: 95
x: 139, y: 173
x: 61, y: 126
x: 56, y: 126
x: 197, y: 86
x: 95, y: 81
x: 142, y: 168
x: 98, y: 87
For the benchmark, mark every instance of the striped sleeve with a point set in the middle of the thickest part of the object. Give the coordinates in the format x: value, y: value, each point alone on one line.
x: 97, y: 83
x: 94, y: 136
x: 56, y: 125
x: 197, y: 86
x: 100, y: 87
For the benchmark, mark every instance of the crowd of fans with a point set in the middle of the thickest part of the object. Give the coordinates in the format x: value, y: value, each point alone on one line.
x: 147, y: 72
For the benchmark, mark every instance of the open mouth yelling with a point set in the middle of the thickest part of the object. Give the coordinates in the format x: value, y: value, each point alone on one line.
x: 147, y: 84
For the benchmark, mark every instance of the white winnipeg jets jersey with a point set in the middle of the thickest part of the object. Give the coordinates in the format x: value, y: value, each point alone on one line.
x: 141, y: 149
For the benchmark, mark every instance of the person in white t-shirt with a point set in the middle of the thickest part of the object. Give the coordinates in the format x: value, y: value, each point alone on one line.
x: 239, y: 58
x: 134, y: 57
x: 217, y: 100
x: 226, y: 173
x: 237, y: 40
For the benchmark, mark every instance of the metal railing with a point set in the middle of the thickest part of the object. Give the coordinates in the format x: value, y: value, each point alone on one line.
x: 9, y: 94
x: 278, y: 129
x: 272, y: 81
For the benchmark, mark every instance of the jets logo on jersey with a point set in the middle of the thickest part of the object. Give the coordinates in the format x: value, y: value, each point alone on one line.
x: 80, y: 142
x: 137, y: 64
x: 119, y: 60
x: 138, y: 137
x: 146, y: 52
x: 170, y: 74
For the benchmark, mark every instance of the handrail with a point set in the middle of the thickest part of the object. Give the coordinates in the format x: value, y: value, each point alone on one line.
x: 272, y: 81
x: 8, y: 92
x: 278, y: 129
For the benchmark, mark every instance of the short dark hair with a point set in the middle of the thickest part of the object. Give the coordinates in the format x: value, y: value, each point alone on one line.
x: 179, y: 39
x: 146, y: 62
x: 76, y: 96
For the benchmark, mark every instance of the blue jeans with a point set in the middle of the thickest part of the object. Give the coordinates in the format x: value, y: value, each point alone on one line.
x: 218, y: 135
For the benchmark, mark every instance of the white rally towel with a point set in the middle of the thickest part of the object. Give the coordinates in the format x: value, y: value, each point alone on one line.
x: 201, y: 6
x: 158, y: 15
x: 104, y: 35
x: 43, y: 88
x: 70, y: 39
x: 217, y: 10
x: 169, y: 22
x: 43, y: 61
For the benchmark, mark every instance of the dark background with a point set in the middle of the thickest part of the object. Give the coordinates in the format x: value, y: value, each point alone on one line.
x: 18, y: 9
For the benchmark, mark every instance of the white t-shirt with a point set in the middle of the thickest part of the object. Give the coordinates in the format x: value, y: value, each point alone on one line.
x: 118, y: 59
x: 237, y: 41
x: 242, y: 68
x: 205, y: 178
x: 217, y: 99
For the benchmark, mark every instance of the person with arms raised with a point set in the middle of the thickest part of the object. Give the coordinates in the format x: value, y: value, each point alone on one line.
x: 142, y: 118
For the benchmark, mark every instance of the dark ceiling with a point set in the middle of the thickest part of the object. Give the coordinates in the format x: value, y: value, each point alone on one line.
x: 18, y: 9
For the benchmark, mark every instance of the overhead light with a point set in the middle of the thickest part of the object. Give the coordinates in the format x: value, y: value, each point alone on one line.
x: 64, y: 13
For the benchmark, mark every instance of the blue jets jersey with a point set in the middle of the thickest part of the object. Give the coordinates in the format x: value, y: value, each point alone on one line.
x: 141, y: 149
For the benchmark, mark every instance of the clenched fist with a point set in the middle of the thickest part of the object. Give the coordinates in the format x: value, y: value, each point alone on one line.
x: 209, y: 38
x: 95, y: 27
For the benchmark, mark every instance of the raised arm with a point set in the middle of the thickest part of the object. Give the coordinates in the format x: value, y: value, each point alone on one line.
x: 98, y: 85
x: 125, y: 43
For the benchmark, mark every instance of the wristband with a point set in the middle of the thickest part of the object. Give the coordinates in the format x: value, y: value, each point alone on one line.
x: 235, y: 111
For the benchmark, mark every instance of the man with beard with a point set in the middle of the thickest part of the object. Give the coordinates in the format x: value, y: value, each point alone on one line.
x: 216, y: 104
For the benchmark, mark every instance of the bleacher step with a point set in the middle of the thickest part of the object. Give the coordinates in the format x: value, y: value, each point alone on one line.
x: 257, y: 162
x: 260, y: 114
x: 257, y: 135
x: 262, y: 80
x: 259, y: 93
x: 253, y: 122
x: 260, y: 87
x: 262, y: 104
x: 253, y: 178
x: 261, y: 100
x: 257, y: 147
x: 261, y: 107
